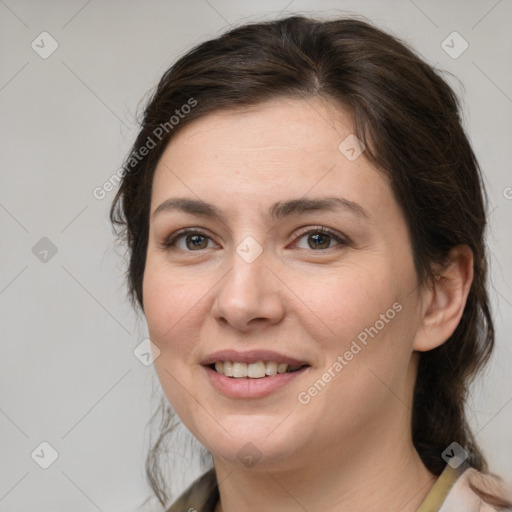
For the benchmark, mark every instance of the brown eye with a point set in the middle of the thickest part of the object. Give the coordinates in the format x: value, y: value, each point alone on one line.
x: 196, y: 241
x: 321, y: 239
x: 193, y: 241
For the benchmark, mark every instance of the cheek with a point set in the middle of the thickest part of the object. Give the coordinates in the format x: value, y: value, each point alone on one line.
x: 366, y: 353
x: 170, y: 306
x: 170, y: 316
x: 348, y: 299
x: 160, y: 301
x: 364, y: 313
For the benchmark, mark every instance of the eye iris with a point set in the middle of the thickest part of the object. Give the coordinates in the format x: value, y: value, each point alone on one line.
x: 196, y: 241
x: 319, y: 236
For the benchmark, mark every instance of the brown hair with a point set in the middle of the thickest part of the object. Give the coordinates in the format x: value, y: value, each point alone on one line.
x: 408, y: 118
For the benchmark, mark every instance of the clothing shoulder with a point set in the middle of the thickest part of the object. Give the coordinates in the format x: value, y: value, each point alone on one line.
x: 477, y: 492
x: 201, y: 496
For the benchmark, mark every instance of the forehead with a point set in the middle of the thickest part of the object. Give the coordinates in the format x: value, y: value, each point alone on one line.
x: 284, y: 125
x: 284, y: 148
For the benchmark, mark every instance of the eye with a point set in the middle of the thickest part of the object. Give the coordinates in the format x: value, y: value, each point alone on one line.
x: 320, y: 238
x: 192, y: 240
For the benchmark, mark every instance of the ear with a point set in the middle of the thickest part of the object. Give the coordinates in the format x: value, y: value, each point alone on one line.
x: 444, y: 300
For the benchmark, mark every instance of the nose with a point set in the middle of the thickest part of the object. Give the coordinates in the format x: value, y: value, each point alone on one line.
x: 249, y: 296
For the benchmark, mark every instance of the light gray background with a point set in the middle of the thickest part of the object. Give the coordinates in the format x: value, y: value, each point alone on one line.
x: 68, y: 372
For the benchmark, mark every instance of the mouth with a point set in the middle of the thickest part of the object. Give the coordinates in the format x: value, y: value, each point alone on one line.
x: 257, y: 370
x: 250, y: 380
x: 253, y: 373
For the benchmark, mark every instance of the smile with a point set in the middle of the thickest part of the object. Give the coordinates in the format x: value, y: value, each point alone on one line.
x: 242, y: 386
x: 257, y: 370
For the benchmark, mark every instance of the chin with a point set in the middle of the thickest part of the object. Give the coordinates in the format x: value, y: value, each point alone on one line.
x: 255, y: 442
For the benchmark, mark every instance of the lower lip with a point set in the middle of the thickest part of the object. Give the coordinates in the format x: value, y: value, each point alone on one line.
x: 250, y: 388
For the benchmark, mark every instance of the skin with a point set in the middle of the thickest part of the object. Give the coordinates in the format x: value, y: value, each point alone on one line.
x: 350, y: 447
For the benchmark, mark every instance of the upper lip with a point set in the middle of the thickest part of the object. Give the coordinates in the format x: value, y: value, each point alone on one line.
x: 251, y: 356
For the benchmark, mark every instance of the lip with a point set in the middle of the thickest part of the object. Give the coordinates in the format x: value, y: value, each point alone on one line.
x: 251, y: 388
x: 251, y: 356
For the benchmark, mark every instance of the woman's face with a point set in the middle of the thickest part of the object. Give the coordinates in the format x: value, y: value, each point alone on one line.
x: 257, y: 283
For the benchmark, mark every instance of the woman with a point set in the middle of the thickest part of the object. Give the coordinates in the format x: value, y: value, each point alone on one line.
x: 305, y: 221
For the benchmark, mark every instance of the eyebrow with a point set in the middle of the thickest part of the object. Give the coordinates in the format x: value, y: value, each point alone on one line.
x: 277, y: 211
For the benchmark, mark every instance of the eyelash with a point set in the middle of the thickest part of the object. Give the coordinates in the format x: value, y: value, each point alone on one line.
x: 170, y: 242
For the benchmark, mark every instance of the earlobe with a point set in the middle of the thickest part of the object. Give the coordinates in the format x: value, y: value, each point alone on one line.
x: 444, y: 301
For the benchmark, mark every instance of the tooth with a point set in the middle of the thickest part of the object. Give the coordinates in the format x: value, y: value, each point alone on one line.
x: 282, y: 367
x: 239, y: 370
x: 256, y: 370
x: 271, y: 368
x: 228, y: 369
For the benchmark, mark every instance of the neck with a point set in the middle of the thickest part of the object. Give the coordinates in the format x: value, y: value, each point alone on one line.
x: 399, y: 484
